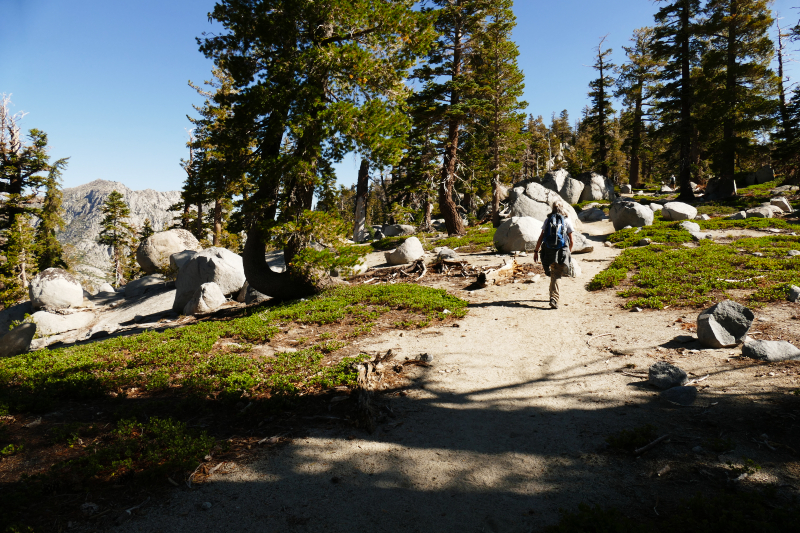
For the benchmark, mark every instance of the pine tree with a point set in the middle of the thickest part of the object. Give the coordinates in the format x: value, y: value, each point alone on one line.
x: 25, y: 168
x: 147, y: 230
x: 21, y: 263
x: 117, y: 234
x: 51, y: 221
x: 448, y: 82
x: 601, y: 111
x: 635, y: 86
x: 675, y: 46
x: 499, y: 86
x: 745, y: 88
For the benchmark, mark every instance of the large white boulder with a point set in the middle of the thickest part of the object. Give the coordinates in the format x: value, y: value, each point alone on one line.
x: 580, y: 244
x: 208, y: 297
x: 153, y: 254
x: 562, y: 183
x: 633, y: 214
x: 55, y: 288
x: 678, y: 211
x: 408, y: 252
x: 536, y: 201
x: 147, y: 284
x: 53, y: 324
x: 517, y: 234
x: 596, y: 187
x: 398, y: 230
x: 217, y: 265
x: 178, y: 259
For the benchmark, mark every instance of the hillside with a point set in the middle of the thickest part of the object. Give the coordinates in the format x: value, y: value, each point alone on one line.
x: 83, y: 215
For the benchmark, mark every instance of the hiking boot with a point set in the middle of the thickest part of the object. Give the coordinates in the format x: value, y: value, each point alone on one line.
x: 553, y: 303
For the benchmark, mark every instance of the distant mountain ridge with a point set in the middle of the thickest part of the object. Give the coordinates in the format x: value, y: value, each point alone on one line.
x: 83, y: 214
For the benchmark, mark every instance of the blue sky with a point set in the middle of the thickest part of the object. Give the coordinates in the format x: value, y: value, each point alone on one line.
x: 107, y: 80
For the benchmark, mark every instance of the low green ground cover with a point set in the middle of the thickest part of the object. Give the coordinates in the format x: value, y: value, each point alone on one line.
x: 664, y: 232
x: 477, y: 238
x: 153, y: 383
x: 675, y: 275
x: 185, y: 358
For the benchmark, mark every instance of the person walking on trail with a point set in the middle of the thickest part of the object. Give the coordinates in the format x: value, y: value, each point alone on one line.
x: 557, y: 239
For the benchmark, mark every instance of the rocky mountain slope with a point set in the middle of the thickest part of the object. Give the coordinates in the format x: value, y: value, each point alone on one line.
x: 83, y: 214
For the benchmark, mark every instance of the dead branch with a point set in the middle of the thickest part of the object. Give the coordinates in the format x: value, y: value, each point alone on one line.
x: 652, y: 445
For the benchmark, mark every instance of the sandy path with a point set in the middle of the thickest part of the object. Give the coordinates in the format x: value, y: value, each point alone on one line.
x: 498, y: 435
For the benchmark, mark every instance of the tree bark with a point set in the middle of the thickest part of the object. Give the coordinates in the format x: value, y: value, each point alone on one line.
x: 685, y: 167
x: 729, y: 122
x: 452, y: 219
x: 217, y: 222
x: 362, y: 190
x: 636, y: 140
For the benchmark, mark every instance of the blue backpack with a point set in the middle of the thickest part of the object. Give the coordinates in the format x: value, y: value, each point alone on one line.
x: 555, y: 232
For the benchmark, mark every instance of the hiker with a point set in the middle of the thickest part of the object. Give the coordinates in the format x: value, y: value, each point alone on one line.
x: 557, y: 252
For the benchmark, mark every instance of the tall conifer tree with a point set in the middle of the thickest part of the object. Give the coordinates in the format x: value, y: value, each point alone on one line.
x: 117, y: 234
x: 738, y: 62
x: 601, y: 111
x: 675, y: 45
x: 499, y: 86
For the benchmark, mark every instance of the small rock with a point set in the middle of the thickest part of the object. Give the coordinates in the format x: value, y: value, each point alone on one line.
x: 425, y: 358
x: 90, y: 508
x: 684, y: 396
x: 665, y: 376
x: 794, y: 293
x: 446, y: 254
x: 793, y: 253
x: 698, y: 236
x: 772, y: 351
x: 679, y: 211
x: 741, y: 215
x: 724, y: 325
x: 644, y: 242
x: 783, y: 204
x: 608, y: 244
x: 206, y: 506
x: 637, y: 310
x: 690, y: 226
x: 703, y: 217
x: 758, y: 254
x: 656, y: 207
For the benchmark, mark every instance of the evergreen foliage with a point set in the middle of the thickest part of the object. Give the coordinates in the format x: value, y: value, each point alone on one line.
x: 601, y: 111
x: 117, y: 234
x: 26, y: 168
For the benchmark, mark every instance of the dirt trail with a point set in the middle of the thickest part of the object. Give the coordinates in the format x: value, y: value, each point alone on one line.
x: 507, y: 427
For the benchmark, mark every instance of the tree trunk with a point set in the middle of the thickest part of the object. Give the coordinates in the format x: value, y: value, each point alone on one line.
x: 601, y: 119
x: 685, y: 168
x: 199, y: 222
x: 636, y: 141
x: 781, y: 88
x: 452, y: 219
x: 281, y: 286
x: 217, y: 222
x: 729, y: 121
x: 362, y: 190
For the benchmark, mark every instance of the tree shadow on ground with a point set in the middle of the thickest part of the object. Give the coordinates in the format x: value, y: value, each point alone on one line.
x: 445, y: 461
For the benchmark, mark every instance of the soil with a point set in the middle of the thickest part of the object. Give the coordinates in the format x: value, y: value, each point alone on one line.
x: 509, y: 423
